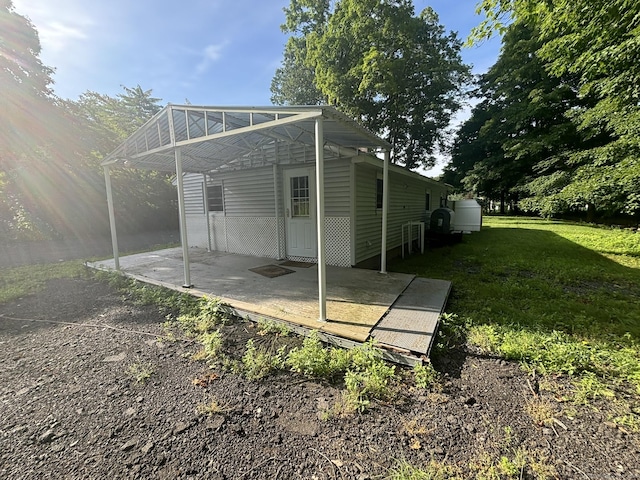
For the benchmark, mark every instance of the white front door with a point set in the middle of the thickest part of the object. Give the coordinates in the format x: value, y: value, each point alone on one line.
x: 300, y: 215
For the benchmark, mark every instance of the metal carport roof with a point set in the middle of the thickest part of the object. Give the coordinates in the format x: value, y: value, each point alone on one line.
x: 222, y: 138
x: 200, y: 139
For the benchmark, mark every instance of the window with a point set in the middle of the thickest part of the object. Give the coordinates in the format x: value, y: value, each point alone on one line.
x: 215, y: 200
x: 300, y: 201
x: 427, y: 201
x: 379, y: 188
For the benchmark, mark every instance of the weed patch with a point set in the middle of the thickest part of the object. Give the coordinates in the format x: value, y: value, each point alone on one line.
x: 140, y: 371
x: 213, y: 407
x: 424, y: 375
x: 315, y: 361
x: 271, y: 327
x: 258, y: 363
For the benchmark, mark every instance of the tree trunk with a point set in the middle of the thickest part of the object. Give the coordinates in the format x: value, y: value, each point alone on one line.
x: 591, y: 212
x: 502, y: 202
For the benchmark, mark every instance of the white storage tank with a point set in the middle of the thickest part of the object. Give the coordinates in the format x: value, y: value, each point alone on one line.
x: 468, y: 216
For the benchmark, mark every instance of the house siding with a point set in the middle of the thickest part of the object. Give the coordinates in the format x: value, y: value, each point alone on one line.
x: 249, y: 224
x: 406, y: 203
x: 249, y: 193
x: 337, y: 195
x: 194, y: 210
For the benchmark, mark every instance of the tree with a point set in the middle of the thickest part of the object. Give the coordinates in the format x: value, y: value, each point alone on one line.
x: 597, y: 42
x: 294, y: 82
x: 33, y: 133
x: 28, y: 115
x: 399, y: 75
x: 521, y: 125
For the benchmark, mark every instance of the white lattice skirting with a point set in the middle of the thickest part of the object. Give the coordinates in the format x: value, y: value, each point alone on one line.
x: 197, y: 231
x: 218, y: 234
x: 257, y: 236
x: 338, y: 236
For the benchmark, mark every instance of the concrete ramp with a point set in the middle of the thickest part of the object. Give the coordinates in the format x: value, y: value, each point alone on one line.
x: 412, y: 321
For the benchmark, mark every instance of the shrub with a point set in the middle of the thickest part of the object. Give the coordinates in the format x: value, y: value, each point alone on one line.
x: 424, y: 375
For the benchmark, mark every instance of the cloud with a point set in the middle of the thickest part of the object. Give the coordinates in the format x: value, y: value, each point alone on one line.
x: 56, y: 36
x: 58, y: 25
x: 211, y: 54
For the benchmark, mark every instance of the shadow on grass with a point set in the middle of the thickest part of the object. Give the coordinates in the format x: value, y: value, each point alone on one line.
x: 538, y: 280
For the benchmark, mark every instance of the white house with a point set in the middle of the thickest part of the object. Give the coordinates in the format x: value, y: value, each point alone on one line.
x: 270, y: 211
x: 295, y: 182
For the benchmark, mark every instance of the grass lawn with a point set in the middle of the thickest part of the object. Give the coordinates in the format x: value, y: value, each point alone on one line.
x: 16, y: 282
x: 561, y: 298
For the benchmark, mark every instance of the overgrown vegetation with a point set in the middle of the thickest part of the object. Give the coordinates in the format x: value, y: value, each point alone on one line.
x: 367, y: 377
x: 502, y: 460
x: 557, y: 297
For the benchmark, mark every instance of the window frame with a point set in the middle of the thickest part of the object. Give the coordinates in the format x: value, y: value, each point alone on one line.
x: 218, y: 206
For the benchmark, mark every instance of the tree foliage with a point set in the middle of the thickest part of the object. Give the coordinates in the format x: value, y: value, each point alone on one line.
x: 520, y: 130
x: 144, y: 199
x: 294, y: 81
x: 596, y: 42
x: 26, y: 104
x: 399, y: 74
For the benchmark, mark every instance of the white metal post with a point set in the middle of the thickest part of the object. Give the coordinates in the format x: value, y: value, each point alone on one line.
x: 205, y: 193
x: 385, y: 211
x: 277, y: 205
x: 112, y: 218
x: 183, y: 220
x: 322, y: 279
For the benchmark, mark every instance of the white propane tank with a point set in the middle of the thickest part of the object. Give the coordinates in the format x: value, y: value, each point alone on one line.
x: 468, y: 216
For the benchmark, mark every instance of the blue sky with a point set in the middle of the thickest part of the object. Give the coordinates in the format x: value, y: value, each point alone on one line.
x: 211, y: 52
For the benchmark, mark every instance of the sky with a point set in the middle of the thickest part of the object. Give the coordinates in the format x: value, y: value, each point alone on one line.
x: 206, y: 52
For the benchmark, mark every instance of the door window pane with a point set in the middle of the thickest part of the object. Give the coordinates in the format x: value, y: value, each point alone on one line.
x: 300, y: 204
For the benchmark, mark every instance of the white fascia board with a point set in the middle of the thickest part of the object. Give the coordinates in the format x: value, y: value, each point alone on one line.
x: 376, y: 162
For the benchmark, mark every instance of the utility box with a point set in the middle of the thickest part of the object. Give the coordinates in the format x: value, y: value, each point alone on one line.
x: 468, y: 216
x: 442, y: 220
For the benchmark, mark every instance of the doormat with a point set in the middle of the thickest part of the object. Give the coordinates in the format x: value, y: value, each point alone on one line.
x: 293, y: 263
x: 271, y: 271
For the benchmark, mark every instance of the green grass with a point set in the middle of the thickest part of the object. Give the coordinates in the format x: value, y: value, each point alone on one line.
x: 559, y: 297
x: 17, y: 282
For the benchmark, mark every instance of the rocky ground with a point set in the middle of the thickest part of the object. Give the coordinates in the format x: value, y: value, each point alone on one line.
x: 72, y: 407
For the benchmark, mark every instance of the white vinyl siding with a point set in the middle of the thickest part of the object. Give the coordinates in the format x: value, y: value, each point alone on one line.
x: 406, y: 203
x: 194, y: 194
x: 337, y: 195
x: 368, y: 217
x: 248, y: 193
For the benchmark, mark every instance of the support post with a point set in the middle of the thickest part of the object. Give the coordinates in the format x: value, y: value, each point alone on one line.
x: 112, y: 218
x: 205, y: 193
x: 385, y: 212
x: 183, y: 220
x: 277, y: 205
x: 322, y: 278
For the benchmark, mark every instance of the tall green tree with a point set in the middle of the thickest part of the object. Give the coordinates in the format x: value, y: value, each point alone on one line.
x: 399, y: 74
x: 521, y: 129
x: 294, y: 81
x: 34, y: 138
x: 597, y: 42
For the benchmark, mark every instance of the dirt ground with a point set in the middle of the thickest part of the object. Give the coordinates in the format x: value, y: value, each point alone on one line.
x: 29, y: 253
x: 70, y: 408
